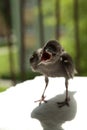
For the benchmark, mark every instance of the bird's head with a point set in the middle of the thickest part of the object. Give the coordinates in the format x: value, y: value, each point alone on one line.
x: 48, y: 54
x: 51, y: 51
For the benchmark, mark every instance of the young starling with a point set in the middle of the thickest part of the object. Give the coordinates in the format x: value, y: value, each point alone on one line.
x: 53, y: 61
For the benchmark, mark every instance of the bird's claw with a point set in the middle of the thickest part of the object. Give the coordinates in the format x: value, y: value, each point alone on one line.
x: 66, y: 102
x: 42, y: 100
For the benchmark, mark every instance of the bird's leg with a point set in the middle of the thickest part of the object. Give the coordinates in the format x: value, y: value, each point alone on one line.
x: 43, y: 97
x: 67, y: 99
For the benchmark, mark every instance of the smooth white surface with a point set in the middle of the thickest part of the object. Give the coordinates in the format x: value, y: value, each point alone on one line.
x: 51, y: 116
x: 17, y: 104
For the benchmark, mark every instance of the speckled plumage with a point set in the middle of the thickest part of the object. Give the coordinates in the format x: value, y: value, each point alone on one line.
x: 53, y: 61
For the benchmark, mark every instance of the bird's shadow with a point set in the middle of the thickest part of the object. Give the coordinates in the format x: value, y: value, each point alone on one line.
x: 51, y: 116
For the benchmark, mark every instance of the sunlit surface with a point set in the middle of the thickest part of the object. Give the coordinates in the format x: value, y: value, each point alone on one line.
x: 17, y: 103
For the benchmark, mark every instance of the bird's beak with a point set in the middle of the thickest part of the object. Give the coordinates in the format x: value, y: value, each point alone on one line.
x: 45, y: 58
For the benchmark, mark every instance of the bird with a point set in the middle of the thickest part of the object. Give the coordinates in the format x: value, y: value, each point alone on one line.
x: 53, y: 61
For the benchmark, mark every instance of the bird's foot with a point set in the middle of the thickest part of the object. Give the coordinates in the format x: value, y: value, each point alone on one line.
x: 42, y: 100
x: 65, y: 102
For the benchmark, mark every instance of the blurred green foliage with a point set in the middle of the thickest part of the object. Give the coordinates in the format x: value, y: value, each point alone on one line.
x: 82, y: 33
x: 67, y: 37
x: 2, y: 88
x: 4, y: 61
x: 5, y: 65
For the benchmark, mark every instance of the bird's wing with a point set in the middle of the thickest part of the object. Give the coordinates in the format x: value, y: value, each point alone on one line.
x: 67, y: 63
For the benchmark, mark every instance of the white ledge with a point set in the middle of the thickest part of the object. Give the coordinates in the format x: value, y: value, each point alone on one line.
x: 18, y: 110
